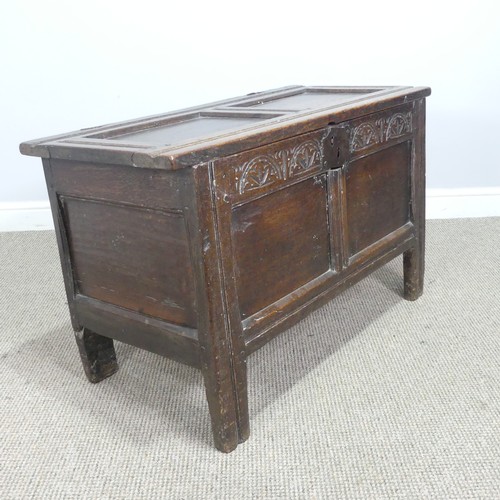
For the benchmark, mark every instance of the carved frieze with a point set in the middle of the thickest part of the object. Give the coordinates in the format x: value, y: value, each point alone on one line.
x: 373, y: 132
x: 266, y: 169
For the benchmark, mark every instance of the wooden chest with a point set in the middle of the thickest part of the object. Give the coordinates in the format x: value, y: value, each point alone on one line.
x: 201, y: 234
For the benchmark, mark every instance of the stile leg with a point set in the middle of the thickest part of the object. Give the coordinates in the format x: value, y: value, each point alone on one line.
x: 97, y: 353
x: 223, y: 401
x: 413, y: 258
x: 222, y: 347
x: 413, y: 265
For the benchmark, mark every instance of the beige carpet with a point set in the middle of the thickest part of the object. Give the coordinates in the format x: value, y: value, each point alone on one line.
x: 370, y: 397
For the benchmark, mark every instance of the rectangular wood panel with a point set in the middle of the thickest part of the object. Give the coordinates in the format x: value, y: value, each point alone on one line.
x: 176, y: 131
x: 280, y: 243
x: 132, y: 257
x: 378, y: 195
x: 306, y: 99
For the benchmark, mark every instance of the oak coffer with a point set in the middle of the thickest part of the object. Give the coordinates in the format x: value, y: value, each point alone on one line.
x: 200, y: 234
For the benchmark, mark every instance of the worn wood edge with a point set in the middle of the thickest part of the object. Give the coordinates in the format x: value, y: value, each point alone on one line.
x: 34, y: 148
x: 281, y: 307
x: 167, y: 339
x: 257, y: 340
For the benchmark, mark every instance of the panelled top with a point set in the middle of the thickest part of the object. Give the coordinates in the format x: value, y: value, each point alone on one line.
x: 195, y: 135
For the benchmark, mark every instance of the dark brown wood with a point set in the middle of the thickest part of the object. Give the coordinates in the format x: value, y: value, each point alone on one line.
x: 277, y: 312
x: 378, y: 195
x: 414, y: 258
x: 167, y: 339
x: 263, y: 335
x: 203, y: 233
x: 148, y: 188
x: 62, y: 243
x: 271, y: 260
x: 82, y: 146
x: 106, y: 238
x: 223, y: 369
x: 98, y: 355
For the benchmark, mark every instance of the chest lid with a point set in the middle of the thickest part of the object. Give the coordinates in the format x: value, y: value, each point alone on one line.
x: 187, y: 137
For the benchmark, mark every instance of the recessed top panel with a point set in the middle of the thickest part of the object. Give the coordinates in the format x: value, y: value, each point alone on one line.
x: 181, y: 131
x: 308, y: 100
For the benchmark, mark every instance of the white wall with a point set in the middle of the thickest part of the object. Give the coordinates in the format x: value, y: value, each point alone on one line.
x: 69, y: 65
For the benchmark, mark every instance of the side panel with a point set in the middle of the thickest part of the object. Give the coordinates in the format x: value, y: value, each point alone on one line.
x: 124, y: 238
x: 132, y: 257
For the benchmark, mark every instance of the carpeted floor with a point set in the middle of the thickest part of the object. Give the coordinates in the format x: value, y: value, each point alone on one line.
x: 369, y: 397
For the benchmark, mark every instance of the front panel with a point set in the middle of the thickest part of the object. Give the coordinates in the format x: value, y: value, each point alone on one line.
x: 378, y: 195
x: 280, y: 243
x: 377, y: 179
x: 298, y: 216
x: 274, y: 207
